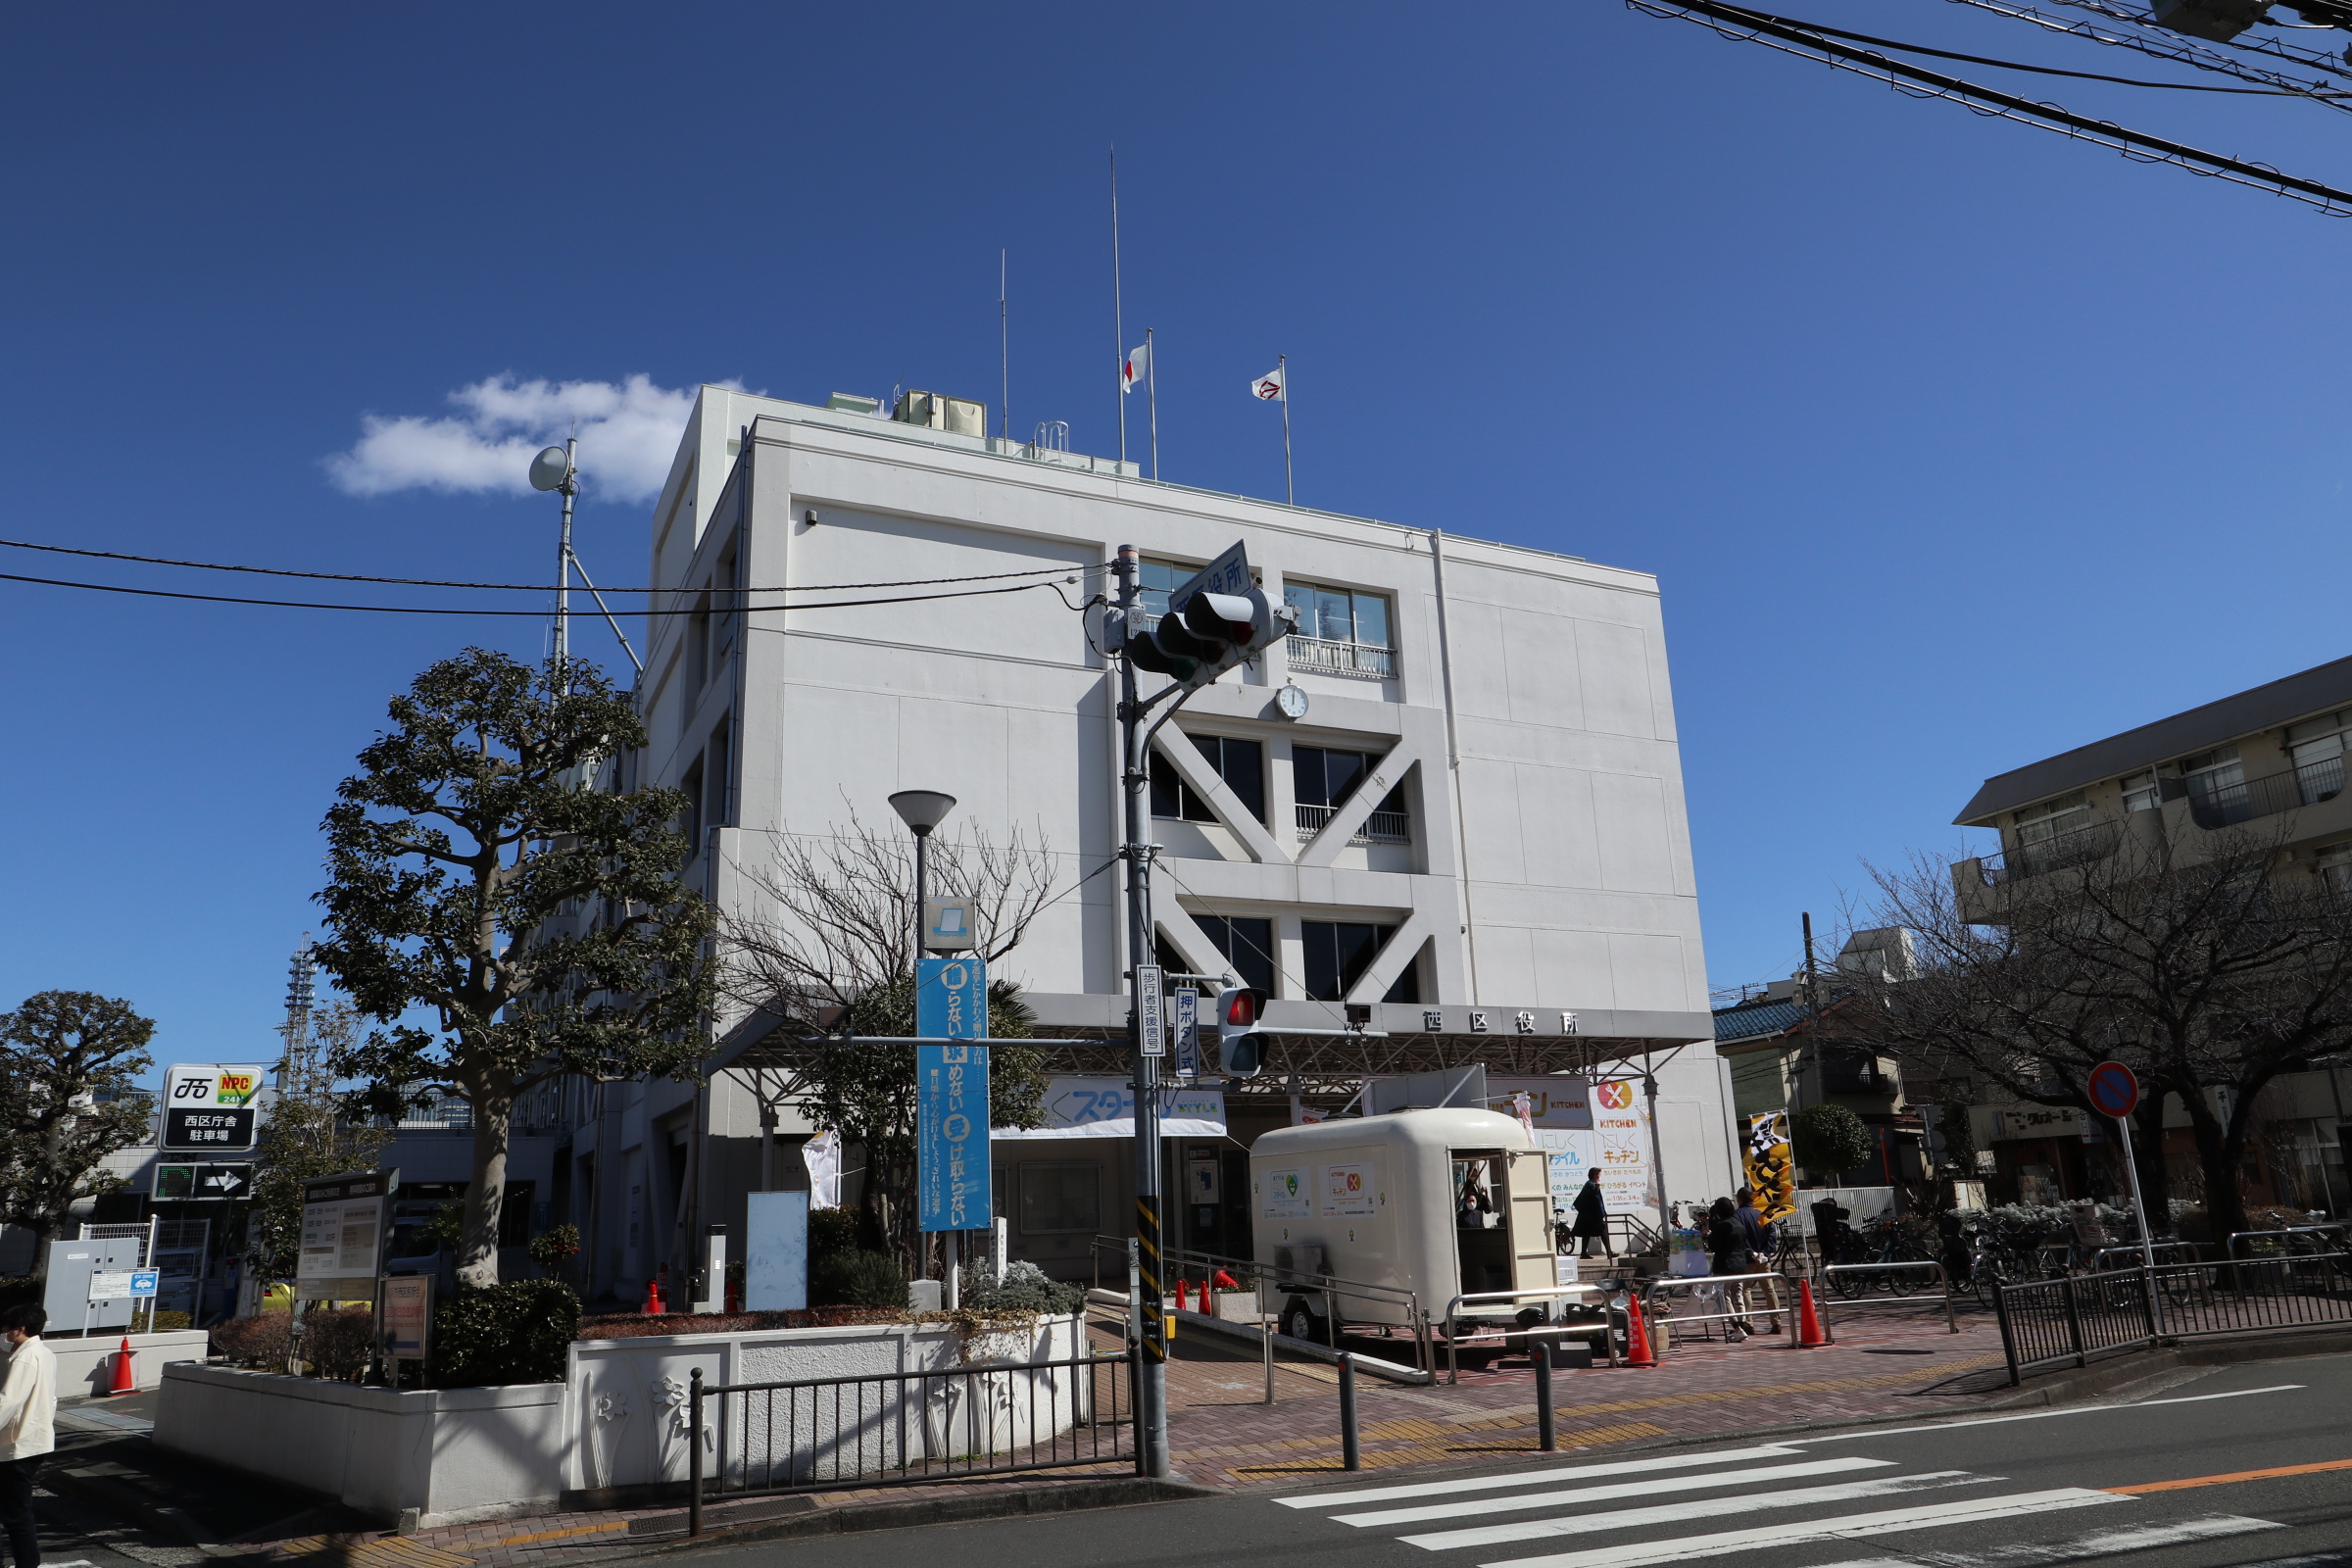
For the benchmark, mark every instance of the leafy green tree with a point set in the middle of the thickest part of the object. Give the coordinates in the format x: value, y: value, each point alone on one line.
x: 480, y: 879
x: 69, y: 1061
x: 1829, y: 1139
x: 307, y: 1136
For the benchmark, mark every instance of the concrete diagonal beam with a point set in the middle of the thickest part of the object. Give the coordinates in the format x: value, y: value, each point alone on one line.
x: 1326, y: 844
x: 1195, y: 770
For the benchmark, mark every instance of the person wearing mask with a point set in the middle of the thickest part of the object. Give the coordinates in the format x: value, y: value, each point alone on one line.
x: 1592, y: 1218
x: 28, y: 1426
x: 1728, y: 1253
x: 1761, y: 1243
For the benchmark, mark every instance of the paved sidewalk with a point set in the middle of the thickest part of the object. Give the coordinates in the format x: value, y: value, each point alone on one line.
x: 1223, y: 1435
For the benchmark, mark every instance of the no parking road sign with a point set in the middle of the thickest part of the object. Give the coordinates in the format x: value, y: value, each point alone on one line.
x: 2113, y: 1090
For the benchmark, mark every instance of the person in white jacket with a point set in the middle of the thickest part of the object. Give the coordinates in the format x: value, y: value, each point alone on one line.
x: 28, y: 1426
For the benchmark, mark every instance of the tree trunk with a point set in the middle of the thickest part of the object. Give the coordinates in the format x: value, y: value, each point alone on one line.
x: 43, y: 1230
x: 486, y: 1196
x: 2218, y: 1153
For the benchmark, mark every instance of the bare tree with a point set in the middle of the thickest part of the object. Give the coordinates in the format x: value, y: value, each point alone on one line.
x: 828, y: 948
x: 2208, y: 967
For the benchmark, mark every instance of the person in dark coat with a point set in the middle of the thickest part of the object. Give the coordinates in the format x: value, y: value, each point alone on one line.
x: 1592, y: 1218
x: 1728, y: 1253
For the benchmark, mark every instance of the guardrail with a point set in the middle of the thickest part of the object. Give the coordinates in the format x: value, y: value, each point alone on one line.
x: 1543, y: 1329
x: 2339, y: 1232
x: 1944, y: 1278
x: 2099, y: 1259
x: 1661, y: 1328
x: 895, y: 1429
x: 1177, y: 1263
x: 2085, y: 1317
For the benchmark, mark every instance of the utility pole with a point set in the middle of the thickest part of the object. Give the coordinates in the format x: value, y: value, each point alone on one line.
x: 1151, y: 1349
x: 1812, y: 1011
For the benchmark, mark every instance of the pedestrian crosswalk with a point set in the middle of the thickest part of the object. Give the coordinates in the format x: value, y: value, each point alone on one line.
x: 1652, y: 1510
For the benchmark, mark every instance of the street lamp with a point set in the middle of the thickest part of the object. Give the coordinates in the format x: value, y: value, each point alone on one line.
x: 554, y: 468
x: 921, y: 810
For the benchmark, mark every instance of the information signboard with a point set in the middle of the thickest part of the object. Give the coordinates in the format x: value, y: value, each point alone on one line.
x: 209, y: 1108
x: 408, y: 1316
x: 343, y: 1235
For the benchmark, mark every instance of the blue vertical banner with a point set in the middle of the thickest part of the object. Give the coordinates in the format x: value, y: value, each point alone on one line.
x: 951, y: 1095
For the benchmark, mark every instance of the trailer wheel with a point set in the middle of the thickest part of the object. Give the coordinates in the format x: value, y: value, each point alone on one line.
x: 1300, y: 1322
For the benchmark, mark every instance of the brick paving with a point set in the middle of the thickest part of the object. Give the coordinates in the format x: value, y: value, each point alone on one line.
x: 1222, y: 1434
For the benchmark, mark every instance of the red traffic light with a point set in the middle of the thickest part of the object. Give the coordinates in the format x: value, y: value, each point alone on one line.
x: 1228, y: 616
x: 1241, y: 1008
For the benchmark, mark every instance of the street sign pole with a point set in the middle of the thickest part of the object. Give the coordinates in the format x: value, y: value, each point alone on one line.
x: 2114, y: 1089
x: 1152, y: 1350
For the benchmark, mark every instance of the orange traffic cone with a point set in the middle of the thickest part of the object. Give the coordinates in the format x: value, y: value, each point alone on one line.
x: 653, y: 1298
x: 123, y: 1379
x: 1182, y: 1298
x: 1808, y: 1325
x: 1636, y: 1340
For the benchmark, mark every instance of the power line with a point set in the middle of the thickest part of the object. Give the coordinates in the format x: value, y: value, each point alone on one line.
x: 441, y: 610
x: 2053, y: 70
x: 1797, y: 39
x: 2162, y: 44
x: 515, y: 587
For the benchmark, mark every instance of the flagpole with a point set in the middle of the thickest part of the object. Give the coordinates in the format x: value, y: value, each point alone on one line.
x: 1152, y: 392
x: 1005, y: 344
x: 1290, y: 491
x: 1118, y: 329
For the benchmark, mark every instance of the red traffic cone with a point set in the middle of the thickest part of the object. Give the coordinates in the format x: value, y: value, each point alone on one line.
x: 1808, y: 1325
x: 1181, y: 1296
x: 653, y: 1298
x: 124, y: 1383
x: 734, y: 1296
x: 1636, y: 1340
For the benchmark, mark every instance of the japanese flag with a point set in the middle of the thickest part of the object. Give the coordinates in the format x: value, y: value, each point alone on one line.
x: 1268, y: 386
x: 1137, y: 366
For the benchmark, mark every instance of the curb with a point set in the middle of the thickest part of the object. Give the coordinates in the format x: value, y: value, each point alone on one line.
x: 854, y: 1519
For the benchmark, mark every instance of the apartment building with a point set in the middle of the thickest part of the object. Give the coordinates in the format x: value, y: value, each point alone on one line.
x: 1442, y: 824
x: 2270, y: 762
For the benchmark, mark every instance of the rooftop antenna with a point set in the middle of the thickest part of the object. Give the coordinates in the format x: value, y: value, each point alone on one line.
x: 557, y: 469
x: 1005, y: 345
x: 296, y: 1070
x: 1118, y: 324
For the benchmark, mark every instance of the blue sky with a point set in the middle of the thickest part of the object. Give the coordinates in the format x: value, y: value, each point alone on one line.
x: 1954, y: 443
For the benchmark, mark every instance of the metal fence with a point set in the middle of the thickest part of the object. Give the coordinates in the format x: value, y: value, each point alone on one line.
x: 2086, y: 1317
x: 907, y: 1428
x: 1938, y: 1283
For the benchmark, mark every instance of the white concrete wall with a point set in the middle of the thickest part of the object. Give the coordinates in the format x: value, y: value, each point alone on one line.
x: 86, y: 1366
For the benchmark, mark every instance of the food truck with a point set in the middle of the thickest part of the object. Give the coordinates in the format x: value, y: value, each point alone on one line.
x: 1440, y: 1203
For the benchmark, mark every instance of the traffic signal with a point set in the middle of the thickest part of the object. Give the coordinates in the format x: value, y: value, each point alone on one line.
x: 1241, y: 1049
x: 1208, y: 635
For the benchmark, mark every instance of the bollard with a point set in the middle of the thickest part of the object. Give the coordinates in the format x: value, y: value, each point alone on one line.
x: 1548, y: 1437
x: 694, y: 1443
x: 1351, y: 1454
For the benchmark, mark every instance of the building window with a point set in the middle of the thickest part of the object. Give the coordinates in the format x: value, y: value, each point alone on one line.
x: 1241, y: 764
x: 1155, y: 581
x: 1247, y: 945
x: 690, y: 821
x: 1337, y: 952
x: 1341, y: 631
x: 715, y: 776
x: 2217, y: 787
x: 1061, y: 1199
x: 2140, y: 793
x: 2333, y: 864
x: 2317, y: 749
x: 1322, y: 780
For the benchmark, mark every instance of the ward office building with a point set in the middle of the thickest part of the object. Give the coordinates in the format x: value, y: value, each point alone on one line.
x: 1442, y: 824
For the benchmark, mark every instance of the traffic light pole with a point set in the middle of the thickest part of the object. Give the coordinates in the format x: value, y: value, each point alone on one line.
x: 1152, y: 1365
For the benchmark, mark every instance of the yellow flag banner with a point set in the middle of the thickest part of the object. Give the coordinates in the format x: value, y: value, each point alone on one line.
x: 1771, y: 1173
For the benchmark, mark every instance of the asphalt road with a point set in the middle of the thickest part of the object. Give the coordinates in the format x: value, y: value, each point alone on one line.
x: 2175, y: 1479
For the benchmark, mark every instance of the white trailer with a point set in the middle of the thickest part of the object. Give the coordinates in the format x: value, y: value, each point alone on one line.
x: 1439, y: 1202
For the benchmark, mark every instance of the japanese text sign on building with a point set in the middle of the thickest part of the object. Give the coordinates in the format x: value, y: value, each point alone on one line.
x: 950, y: 1090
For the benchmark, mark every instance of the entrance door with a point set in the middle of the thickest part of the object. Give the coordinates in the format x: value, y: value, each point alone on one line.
x: 1528, y: 1181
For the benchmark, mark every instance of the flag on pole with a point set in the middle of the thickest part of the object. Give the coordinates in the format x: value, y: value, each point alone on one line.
x: 1137, y: 367
x: 1269, y: 386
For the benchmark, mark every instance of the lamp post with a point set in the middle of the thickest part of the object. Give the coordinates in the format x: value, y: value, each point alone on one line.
x: 554, y: 468
x: 922, y: 811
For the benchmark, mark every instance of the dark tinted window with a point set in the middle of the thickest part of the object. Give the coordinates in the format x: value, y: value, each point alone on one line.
x: 1241, y: 764
x: 1339, y: 952
x: 1247, y: 943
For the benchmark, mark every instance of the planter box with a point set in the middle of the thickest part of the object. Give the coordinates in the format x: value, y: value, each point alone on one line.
x: 455, y: 1456
x: 85, y: 1364
x: 1239, y: 1306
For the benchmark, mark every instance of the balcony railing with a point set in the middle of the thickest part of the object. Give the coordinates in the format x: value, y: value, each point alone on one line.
x: 2079, y: 848
x: 1339, y: 659
x: 2232, y: 804
x: 1378, y: 828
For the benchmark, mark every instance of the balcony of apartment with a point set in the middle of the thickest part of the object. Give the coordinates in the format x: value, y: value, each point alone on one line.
x: 1324, y: 656
x: 1981, y: 884
x: 2225, y: 805
x: 1378, y: 828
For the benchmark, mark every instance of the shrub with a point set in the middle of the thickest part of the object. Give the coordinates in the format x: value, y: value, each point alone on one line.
x: 1025, y: 1290
x: 1829, y: 1139
x: 338, y: 1345
x: 858, y: 1279
x: 838, y: 1232
x: 518, y: 1332
x: 260, y: 1341
x: 165, y: 1322
x: 555, y: 1247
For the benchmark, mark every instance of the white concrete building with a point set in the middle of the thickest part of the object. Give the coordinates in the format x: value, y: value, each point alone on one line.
x: 1471, y: 846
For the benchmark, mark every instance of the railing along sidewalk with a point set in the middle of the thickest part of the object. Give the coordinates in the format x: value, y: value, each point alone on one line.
x: 1544, y: 1328
x: 1661, y: 1327
x: 2085, y: 1317
x: 1942, y: 1278
x: 1271, y: 1282
x: 905, y: 1428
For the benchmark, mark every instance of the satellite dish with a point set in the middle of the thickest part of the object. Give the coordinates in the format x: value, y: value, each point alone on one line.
x: 551, y: 469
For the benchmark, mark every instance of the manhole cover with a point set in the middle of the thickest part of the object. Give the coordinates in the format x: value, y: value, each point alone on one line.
x: 1899, y: 1353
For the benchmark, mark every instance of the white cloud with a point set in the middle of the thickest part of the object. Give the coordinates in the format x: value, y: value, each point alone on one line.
x: 628, y: 435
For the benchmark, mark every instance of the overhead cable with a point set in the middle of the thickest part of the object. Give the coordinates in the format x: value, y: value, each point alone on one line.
x: 1805, y: 42
x: 2162, y: 44
x: 460, y: 609
x: 528, y: 587
x: 2084, y: 75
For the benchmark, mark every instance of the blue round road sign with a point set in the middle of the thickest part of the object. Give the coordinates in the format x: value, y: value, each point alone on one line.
x: 2113, y: 1090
